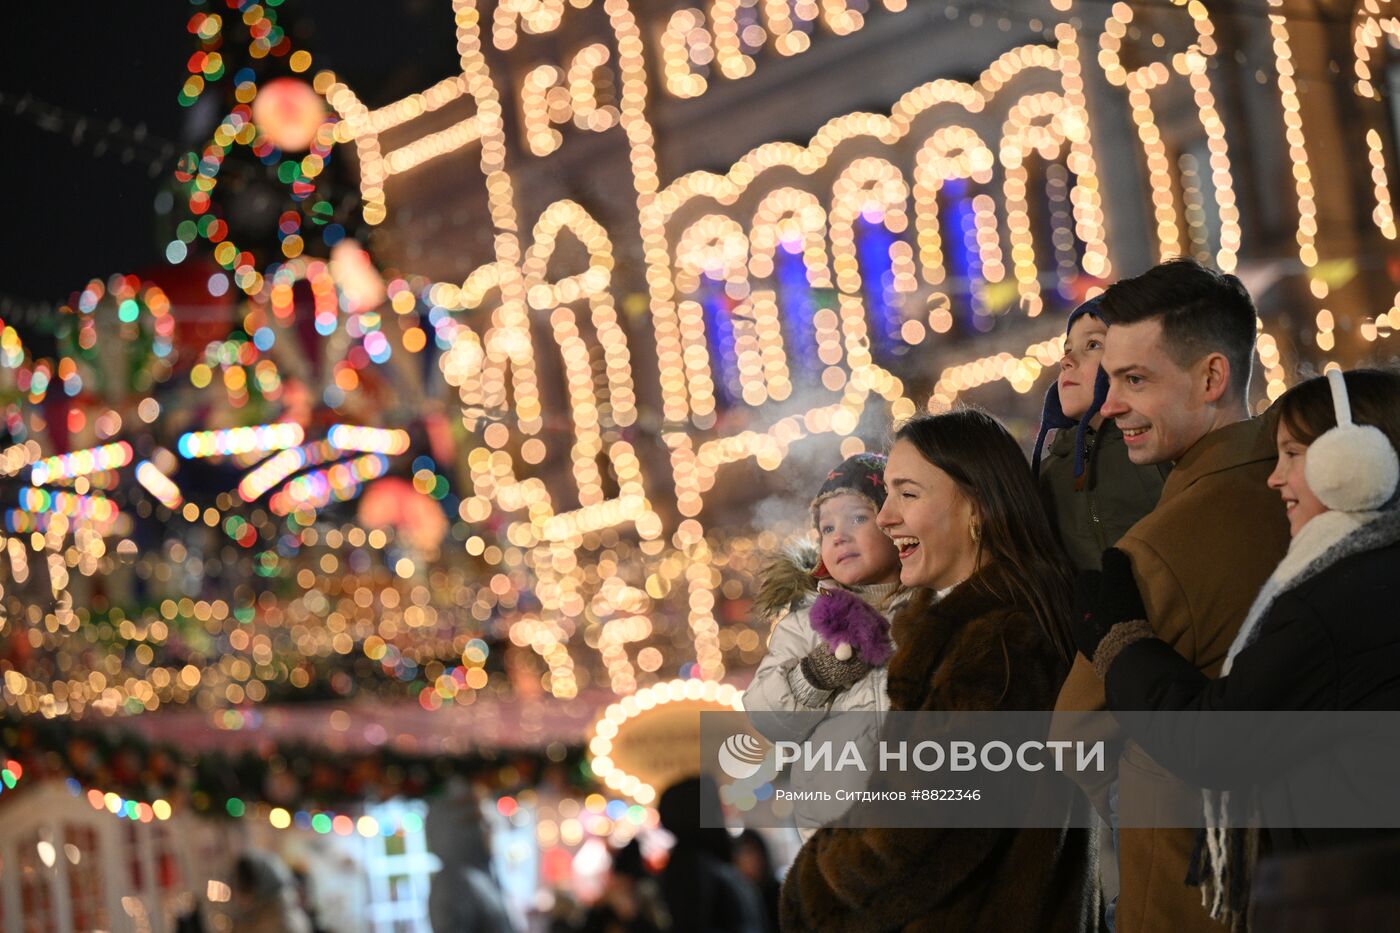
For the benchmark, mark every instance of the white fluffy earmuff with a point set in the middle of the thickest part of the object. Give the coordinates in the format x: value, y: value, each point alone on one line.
x: 1352, y: 467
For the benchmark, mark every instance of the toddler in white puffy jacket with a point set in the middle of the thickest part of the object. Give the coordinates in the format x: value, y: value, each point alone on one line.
x: 827, y: 652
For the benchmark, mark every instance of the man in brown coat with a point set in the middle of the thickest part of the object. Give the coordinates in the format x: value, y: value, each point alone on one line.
x: 1178, y: 354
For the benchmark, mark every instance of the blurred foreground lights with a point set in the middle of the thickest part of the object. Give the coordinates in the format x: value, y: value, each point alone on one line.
x: 159, y: 485
x: 79, y: 462
x: 371, y: 440
x: 240, y: 440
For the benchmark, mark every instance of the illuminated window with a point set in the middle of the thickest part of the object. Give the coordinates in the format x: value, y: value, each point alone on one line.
x: 36, y: 865
x: 1199, y: 204
x: 399, y: 868
x: 965, y: 285
x: 82, y: 854
x: 60, y: 879
x: 721, y: 328
x: 799, y: 303
x: 875, y: 259
x: 154, y: 864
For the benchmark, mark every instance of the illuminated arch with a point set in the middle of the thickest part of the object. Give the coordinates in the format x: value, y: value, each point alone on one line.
x: 1140, y: 84
x: 953, y: 152
x: 716, y: 248
x: 873, y: 188
x: 788, y: 219
x: 592, y: 286
x: 1058, y: 63
x: 1033, y: 126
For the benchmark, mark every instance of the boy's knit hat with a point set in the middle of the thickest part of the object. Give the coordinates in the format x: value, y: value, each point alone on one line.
x: 863, y: 474
x: 1053, y: 415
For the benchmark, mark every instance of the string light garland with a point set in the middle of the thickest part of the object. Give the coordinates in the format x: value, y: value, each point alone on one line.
x: 1193, y: 63
x: 1369, y: 26
x: 616, y: 715
x: 736, y: 35
x: 145, y: 781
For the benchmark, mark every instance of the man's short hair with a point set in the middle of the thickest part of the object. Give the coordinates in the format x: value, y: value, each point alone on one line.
x: 1202, y: 311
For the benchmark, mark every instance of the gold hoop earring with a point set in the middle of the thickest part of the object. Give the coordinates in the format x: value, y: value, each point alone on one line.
x: 975, y: 532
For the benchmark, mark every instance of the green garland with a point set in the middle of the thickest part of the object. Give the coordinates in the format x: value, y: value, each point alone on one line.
x: 291, y: 776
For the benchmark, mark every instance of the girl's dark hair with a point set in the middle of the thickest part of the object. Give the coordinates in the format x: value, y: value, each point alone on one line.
x: 1307, y: 410
x: 990, y: 468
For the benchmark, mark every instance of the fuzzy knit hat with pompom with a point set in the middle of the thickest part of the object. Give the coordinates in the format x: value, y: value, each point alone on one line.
x: 863, y: 474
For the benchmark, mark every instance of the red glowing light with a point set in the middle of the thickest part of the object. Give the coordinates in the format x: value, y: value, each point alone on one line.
x: 288, y: 113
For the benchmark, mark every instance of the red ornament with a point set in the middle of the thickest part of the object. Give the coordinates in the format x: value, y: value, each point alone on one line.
x: 288, y: 113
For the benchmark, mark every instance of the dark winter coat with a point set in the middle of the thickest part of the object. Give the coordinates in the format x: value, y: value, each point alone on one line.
x: 1093, y: 511
x: 705, y: 894
x: 1331, y: 642
x: 973, y: 650
x: 703, y: 891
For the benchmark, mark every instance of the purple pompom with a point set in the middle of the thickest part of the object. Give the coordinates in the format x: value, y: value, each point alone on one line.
x: 841, y: 617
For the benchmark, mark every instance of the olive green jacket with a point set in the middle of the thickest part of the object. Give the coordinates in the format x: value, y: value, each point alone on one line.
x: 1091, y: 514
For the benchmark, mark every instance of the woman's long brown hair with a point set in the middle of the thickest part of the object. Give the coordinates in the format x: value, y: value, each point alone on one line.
x: 990, y: 468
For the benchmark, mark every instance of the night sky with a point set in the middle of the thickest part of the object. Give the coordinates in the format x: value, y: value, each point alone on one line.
x: 80, y: 202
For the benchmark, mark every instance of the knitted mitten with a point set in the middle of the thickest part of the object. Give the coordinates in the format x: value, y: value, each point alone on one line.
x: 824, y: 671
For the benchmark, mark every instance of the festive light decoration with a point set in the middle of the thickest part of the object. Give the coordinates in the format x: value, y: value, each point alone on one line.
x: 16, y: 457
x: 581, y: 94
x: 97, y: 508
x: 738, y: 34
x: 10, y: 774
x: 1369, y: 26
x: 115, y: 804
x: 605, y: 730
x: 319, y: 488
x: 288, y: 113
x: 373, y: 440
x: 79, y: 462
x: 278, y: 467
x: 159, y: 485
x: 225, y: 443
x: 144, y: 781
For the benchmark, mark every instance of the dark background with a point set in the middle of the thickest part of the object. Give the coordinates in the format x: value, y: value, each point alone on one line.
x: 79, y: 79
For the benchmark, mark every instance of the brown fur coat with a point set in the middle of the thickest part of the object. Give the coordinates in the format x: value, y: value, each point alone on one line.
x: 973, y: 650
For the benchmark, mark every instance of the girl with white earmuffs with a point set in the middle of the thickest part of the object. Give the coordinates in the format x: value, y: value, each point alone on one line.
x: 1323, y: 633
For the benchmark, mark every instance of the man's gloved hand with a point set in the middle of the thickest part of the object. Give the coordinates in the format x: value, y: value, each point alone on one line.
x: 824, y: 671
x: 1102, y: 599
